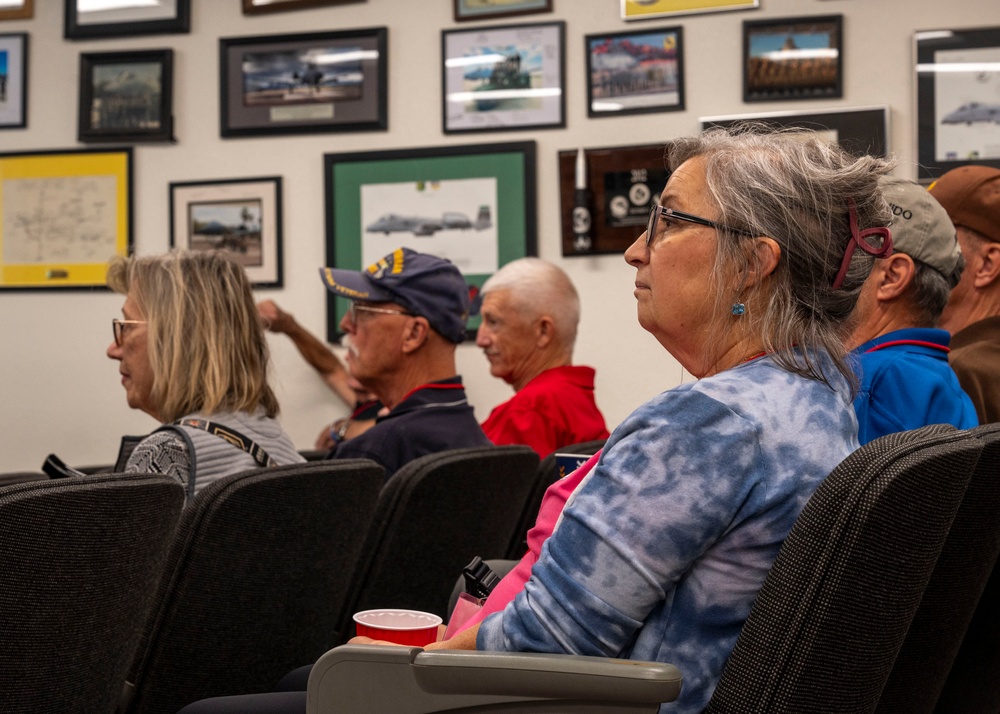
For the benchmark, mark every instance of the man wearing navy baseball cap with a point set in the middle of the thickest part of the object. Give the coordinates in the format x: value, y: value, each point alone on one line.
x: 408, y: 313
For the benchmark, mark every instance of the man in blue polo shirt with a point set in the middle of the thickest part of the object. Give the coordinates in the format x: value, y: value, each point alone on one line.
x: 408, y: 313
x: 902, y: 358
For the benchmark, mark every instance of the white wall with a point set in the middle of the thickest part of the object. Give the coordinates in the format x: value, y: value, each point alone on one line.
x: 58, y: 391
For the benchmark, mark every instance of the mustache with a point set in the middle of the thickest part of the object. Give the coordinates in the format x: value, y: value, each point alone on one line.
x: 349, y: 345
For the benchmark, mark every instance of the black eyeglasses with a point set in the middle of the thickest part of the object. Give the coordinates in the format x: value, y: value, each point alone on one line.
x: 118, y: 327
x: 356, y: 307
x: 670, y: 214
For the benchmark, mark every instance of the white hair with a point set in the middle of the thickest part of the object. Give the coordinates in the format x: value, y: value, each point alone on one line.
x: 539, y: 288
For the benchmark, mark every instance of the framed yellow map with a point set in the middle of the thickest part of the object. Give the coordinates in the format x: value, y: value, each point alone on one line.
x: 648, y: 9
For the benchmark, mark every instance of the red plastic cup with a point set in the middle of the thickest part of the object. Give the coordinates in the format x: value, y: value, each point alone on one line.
x: 403, y: 627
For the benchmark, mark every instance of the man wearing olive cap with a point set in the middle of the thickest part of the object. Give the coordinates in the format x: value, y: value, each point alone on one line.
x: 408, y: 313
x: 971, y: 195
x: 902, y: 358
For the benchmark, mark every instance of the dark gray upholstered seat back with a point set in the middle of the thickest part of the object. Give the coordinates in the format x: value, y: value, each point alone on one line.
x: 255, y: 581
x: 433, y: 516
x: 952, y: 593
x: 12, y: 477
x: 79, y: 563
x: 827, y: 624
x: 548, y: 473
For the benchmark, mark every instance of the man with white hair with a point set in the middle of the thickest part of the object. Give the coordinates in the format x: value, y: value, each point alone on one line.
x: 530, y: 312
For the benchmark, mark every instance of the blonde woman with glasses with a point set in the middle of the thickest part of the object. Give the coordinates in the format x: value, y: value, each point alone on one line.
x: 192, y: 354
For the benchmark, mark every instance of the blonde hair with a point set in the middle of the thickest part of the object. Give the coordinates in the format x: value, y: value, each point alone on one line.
x: 207, y: 348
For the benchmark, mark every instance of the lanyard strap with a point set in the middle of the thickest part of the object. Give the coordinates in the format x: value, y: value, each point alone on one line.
x: 233, y: 437
x: 917, y: 343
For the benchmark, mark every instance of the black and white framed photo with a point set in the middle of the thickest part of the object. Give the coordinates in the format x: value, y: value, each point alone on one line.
x: 635, y: 72
x: 304, y: 83
x: 491, y: 9
x: 958, y: 99
x: 240, y: 216
x: 793, y: 58
x: 126, y: 96
x: 504, y: 78
x: 14, y: 80
x: 86, y: 19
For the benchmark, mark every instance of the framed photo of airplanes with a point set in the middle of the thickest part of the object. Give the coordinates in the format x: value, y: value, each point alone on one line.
x: 306, y: 83
x: 240, y: 216
x: 958, y: 99
x: 504, y: 78
x: 474, y: 205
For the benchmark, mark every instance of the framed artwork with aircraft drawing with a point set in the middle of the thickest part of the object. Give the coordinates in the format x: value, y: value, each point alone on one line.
x: 305, y: 83
x: 474, y: 205
x: 958, y: 99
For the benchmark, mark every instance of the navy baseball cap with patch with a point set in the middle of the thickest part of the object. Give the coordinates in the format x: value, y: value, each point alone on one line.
x: 425, y: 285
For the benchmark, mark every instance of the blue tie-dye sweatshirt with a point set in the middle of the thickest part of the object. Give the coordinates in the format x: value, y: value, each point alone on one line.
x: 660, y: 552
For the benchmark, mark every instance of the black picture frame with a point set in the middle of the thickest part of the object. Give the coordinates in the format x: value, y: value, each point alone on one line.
x: 126, y: 97
x: 467, y: 10
x: 13, y: 80
x: 167, y: 17
x: 793, y: 58
x: 493, y: 182
x: 242, y: 216
x: 859, y: 130
x: 273, y: 84
x: 250, y: 8
x: 958, y: 110
x: 635, y: 72
x: 518, y: 82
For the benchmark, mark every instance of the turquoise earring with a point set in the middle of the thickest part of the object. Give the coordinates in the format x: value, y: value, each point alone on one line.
x: 739, y: 308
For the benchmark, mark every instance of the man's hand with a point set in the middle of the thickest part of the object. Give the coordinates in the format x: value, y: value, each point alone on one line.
x: 276, y: 319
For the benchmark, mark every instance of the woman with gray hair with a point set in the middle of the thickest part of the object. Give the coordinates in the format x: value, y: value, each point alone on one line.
x: 193, y: 355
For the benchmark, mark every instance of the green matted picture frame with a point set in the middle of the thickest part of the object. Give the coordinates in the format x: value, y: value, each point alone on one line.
x: 474, y: 205
x: 66, y: 214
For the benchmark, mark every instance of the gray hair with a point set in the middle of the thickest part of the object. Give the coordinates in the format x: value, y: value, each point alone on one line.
x: 796, y: 190
x: 538, y: 287
x: 930, y: 291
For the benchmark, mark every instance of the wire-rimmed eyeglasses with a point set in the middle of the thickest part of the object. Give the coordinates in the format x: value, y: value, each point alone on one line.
x: 670, y: 214
x: 118, y: 327
x: 357, y: 307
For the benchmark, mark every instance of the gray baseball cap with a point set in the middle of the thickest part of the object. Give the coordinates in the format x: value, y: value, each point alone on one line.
x: 920, y: 226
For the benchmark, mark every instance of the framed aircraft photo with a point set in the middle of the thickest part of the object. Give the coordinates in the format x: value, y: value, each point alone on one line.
x: 958, y: 99
x: 635, y: 72
x: 307, y: 83
x: 126, y: 96
x: 14, y: 80
x: 240, y: 216
x: 474, y: 205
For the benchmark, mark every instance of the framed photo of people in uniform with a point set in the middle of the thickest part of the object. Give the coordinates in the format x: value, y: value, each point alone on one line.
x: 503, y: 78
x: 126, y: 96
x: 471, y: 204
x: 793, y: 58
x: 958, y: 99
x: 241, y: 216
x: 305, y: 83
x: 635, y: 72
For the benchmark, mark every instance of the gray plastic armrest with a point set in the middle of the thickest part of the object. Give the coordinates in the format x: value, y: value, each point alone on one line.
x: 368, y: 678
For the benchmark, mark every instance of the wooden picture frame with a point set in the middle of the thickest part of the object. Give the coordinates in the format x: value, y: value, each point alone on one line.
x: 126, y: 97
x: 23, y: 11
x: 241, y: 216
x: 304, y: 83
x: 66, y: 214
x: 958, y: 99
x: 635, y: 72
x: 466, y: 10
x: 162, y: 17
x: 472, y: 204
x: 503, y: 78
x: 14, y: 80
x: 793, y: 58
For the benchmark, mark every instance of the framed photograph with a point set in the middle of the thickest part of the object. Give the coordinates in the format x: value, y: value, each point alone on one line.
x: 958, y: 99
x: 504, y: 78
x: 14, y: 80
x: 489, y: 9
x: 474, y: 205
x: 793, y: 58
x: 240, y: 216
x: 635, y: 72
x: 307, y: 83
x: 622, y: 185
x: 17, y: 9
x: 126, y: 96
x: 649, y: 9
x: 65, y: 214
x: 862, y: 130
x: 259, y: 7
x: 86, y: 20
